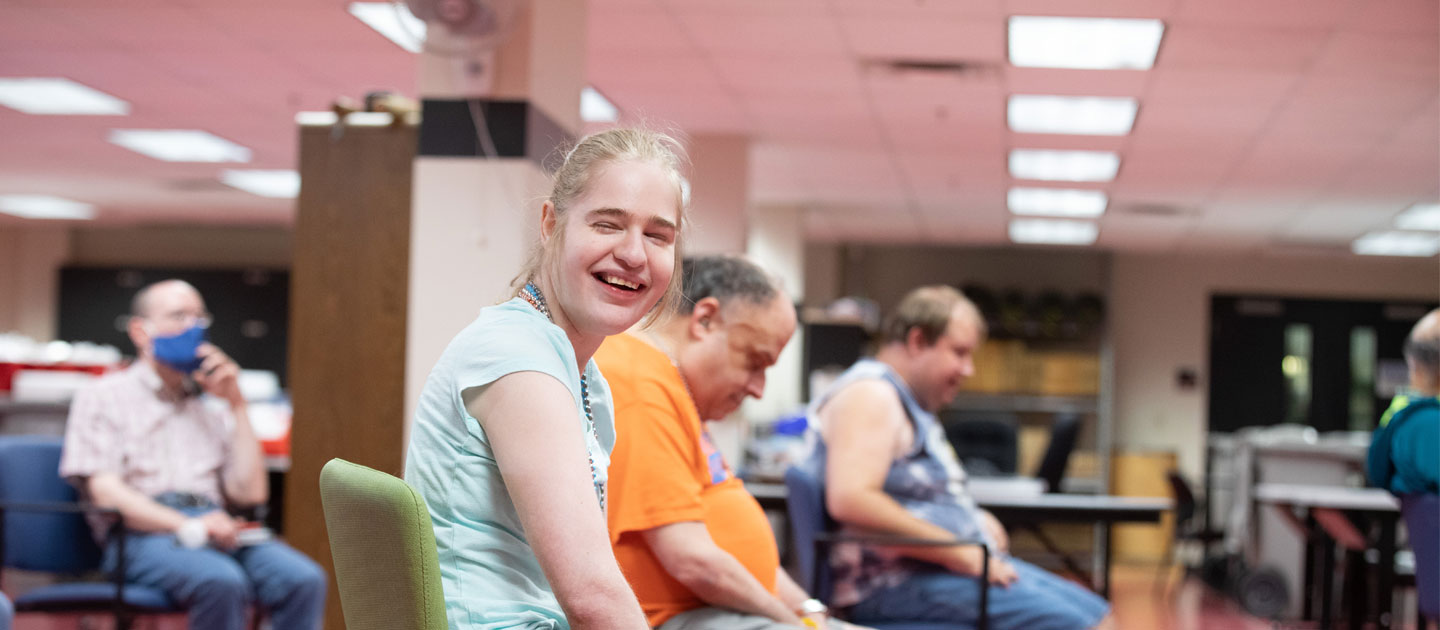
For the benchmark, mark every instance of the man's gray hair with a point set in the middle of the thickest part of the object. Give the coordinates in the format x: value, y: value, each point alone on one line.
x: 725, y: 278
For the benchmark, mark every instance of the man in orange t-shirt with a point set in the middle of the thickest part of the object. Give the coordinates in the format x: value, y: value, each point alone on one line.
x: 695, y: 546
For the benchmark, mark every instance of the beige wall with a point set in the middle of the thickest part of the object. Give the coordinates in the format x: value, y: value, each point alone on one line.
x: 30, y: 261
x: 1160, y: 317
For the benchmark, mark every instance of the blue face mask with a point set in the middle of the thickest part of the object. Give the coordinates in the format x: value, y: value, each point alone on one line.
x: 178, y: 351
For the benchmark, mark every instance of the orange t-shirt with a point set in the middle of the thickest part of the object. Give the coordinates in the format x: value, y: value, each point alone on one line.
x: 665, y: 470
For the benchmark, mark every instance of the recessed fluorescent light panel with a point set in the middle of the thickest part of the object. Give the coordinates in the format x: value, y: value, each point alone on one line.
x: 180, y: 145
x: 45, y: 207
x: 1084, y: 43
x: 1064, y: 166
x: 54, y: 96
x: 1421, y: 216
x: 277, y: 184
x: 392, y: 20
x: 594, y: 107
x: 1397, y: 244
x: 1052, y: 202
x: 1084, y: 115
x: 1053, y: 231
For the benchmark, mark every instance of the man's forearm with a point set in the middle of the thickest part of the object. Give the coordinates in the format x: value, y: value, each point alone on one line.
x: 876, y: 511
x: 245, y: 478
x: 720, y: 580
x: 141, y: 513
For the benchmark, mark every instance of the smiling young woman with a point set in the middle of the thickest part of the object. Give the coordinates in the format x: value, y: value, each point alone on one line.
x: 513, y: 428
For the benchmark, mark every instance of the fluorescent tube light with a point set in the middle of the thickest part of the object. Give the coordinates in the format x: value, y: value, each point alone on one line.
x: 1078, y: 204
x: 1066, y: 166
x: 1421, y: 216
x: 1084, y: 43
x: 1053, y: 231
x: 180, y: 145
x: 45, y: 207
x: 392, y: 20
x: 1086, y: 115
x: 56, y: 96
x: 594, y: 107
x: 277, y: 184
x: 1397, y: 244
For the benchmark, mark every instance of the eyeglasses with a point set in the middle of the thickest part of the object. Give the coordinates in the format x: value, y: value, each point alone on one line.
x: 182, y: 319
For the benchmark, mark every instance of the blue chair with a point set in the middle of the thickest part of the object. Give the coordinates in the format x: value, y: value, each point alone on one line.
x: 813, y: 533
x: 1422, y: 520
x: 43, y: 528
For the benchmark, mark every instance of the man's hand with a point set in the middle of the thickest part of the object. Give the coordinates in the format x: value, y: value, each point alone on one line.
x: 222, y: 528
x: 995, y: 530
x: 218, y: 375
x: 1002, y: 573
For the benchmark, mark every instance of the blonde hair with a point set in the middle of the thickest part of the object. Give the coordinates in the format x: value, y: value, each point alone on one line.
x: 590, y: 156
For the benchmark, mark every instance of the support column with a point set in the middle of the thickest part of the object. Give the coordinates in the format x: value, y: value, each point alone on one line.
x: 719, y: 194
x: 490, y: 122
x: 777, y: 243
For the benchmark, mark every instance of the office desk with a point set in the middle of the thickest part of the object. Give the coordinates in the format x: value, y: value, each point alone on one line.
x: 1101, y: 510
x: 1327, y: 506
x: 1031, y: 510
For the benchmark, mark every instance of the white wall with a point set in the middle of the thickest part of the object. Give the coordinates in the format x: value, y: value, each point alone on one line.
x: 1159, y: 318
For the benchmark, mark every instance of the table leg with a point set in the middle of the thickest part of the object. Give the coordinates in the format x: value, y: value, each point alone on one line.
x: 1327, y: 581
x: 1307, y: 592
x: 1107, y: 550
x: 1383, y: 607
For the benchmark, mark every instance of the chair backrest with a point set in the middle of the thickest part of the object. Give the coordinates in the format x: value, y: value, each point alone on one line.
x: 1057, y: 455
x: 986, y: 444
x: 805, y: 503
x: 1422, y: 521
x: 49, y: 542
x: 383, y: 544
x: 1184, y: 500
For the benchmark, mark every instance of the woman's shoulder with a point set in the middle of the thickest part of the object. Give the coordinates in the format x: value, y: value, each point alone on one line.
x: 508, y: 337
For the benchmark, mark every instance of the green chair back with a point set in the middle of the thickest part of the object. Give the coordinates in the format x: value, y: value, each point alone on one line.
x: 383, y: 545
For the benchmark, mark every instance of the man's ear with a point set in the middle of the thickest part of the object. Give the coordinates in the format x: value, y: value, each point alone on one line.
x: 548, y: 221
x: 703, y: 318
x: 915, y: 339
x: 135, y: 327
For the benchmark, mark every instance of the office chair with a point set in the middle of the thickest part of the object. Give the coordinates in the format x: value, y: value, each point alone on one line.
x: 986, y: 444
x: 1063, y: 431
x: 43, y: 528
x: 1422, y: 520
x: 1187, y: 527
x: 813, y: 532
x: 383, y: 544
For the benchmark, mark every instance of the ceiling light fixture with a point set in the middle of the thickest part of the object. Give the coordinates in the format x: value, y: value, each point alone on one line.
x: 180, y: 145
x: 594, y: 107
x: 1421, y: 216
x: 1395, y: 243
x: 1067, y: 166
x: 276, y: 184
x: 1054, y: 202
x: 1084, y: 115
x: 1084, y: 43
x: 56, y: 96
x: 45, y: 207
x: 392, y: 20
x: 1053, y: 231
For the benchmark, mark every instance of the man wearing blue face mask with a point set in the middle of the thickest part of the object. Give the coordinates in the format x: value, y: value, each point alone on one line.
x: 167, y: 442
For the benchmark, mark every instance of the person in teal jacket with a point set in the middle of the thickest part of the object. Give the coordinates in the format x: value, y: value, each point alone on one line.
x: 1405, y: 450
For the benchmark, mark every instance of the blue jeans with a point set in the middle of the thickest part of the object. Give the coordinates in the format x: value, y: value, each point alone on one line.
x: 1038, y: 600
x: 216, y: 586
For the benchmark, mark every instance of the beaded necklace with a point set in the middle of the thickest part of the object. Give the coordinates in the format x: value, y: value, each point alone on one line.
x: 532, y: 295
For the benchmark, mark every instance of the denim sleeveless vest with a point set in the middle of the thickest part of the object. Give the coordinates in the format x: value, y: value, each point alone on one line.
x: 927, y: 480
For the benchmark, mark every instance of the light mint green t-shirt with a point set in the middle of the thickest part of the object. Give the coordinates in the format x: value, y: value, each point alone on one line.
x: 491, y: 577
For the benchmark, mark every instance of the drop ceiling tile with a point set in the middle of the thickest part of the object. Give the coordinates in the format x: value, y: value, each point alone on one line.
x: 648, y: 31
x: 1274, y: 13
x: 1397, y: 55
x: 926, y: 38
x: 786, y: 74
x: 1210, y: 47
x: 920, y: 10
x: 1093, y: 8
x: 616, y: 71
x: 1257, y: 90
x: 1395, y: 16
x: 761, y: 34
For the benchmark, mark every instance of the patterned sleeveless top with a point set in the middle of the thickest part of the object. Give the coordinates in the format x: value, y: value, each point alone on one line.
x: 927, y: 480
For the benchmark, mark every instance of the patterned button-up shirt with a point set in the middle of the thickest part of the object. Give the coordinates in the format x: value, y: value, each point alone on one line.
x: 155, y: 440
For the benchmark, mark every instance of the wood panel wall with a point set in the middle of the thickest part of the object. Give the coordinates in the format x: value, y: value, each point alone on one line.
x: 349, y: 290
